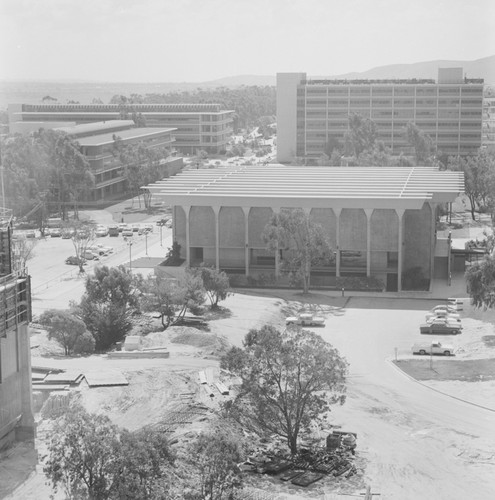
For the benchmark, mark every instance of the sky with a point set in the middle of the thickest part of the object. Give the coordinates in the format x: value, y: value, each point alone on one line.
x: 202, y: 40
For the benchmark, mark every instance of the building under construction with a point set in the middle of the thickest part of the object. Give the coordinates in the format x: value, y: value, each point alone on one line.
x: 16, y: 415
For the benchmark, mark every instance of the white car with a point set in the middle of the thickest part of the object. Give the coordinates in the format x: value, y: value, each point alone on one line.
x: 450, y: 318
x: 305, y: 319
x: 442, y: 312
x: 433, y: 347
x: 100, y: 249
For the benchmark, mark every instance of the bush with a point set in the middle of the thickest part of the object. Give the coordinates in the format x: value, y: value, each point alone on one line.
x: 85, y: 344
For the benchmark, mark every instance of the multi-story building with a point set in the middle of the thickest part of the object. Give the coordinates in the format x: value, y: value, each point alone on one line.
x: 198, y: 126
x: 488, y: 139
x: 312, y: 112
x: 98, y: 143
x: 379, y: 221
x: 16, y: 414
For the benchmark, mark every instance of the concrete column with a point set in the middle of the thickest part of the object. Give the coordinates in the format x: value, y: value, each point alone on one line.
x: 216, y: 211
x: 246, y: 238
x: 27, y: 427
x: 369, y: 213
x: 400, y: 213
x: 337, y: 211
x: 433, y: 208
x: 277, y: 253
x: 187, y: 209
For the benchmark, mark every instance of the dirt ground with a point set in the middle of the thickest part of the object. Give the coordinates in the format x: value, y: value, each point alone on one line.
x: 424, y: 440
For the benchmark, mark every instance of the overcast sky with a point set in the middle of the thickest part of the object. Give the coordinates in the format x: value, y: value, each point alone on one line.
x: 201, y: 40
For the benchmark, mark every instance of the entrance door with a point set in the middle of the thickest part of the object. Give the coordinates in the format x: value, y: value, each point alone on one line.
x: 392, y: 280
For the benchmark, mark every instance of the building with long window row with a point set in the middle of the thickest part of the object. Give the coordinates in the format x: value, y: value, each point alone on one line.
x: 379, y: 221
x: 312, y: 112
x: 198, y: 126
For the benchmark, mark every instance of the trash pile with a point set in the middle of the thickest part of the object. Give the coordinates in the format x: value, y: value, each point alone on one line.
x: 309, y: 464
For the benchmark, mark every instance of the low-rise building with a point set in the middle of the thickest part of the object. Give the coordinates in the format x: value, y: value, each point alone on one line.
x: 98, y: 143
x: 198, y: 126
x: 379, y: 221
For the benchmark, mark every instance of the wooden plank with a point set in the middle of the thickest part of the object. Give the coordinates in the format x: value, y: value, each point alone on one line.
x: 222, y: 389
x: 202, y: 377
x: 208, y: 391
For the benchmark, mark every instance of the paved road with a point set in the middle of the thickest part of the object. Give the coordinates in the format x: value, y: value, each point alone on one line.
x: 419, y: 443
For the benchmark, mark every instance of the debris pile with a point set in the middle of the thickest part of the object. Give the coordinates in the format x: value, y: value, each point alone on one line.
x: 309, y: 464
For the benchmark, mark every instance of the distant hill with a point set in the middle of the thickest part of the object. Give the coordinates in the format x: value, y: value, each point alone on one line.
x: 480, y: 68
x: 33, y: 91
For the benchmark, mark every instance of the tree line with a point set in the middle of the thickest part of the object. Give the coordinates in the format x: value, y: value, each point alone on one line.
x: 249, y: 103
x: 46, y: 172
x: 113, y: 296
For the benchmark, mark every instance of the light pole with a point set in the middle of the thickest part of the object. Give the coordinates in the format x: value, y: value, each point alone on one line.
x: 146, y: 242
x: 161, y: 227
x: 129, y: 244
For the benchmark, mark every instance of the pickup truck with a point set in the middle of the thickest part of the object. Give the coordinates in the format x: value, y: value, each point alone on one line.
x: 434, y: 347
x: 305, y: 319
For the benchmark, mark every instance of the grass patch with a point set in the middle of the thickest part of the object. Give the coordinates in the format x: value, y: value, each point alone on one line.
x: 472, y: 370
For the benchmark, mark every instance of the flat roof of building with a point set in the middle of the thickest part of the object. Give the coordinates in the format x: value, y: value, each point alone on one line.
x: 133, y: 133
x: 96, y: 127
x: 300, y: 186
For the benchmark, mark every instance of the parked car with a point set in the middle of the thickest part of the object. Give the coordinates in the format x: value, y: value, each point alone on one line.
x: 441, y: 326
x: 457, y: 304
x: 122, y: 226
x: 148, y: 228
x: 100, y: 249
x: 89, y: 255
x: 101, y: 231
x: 135, y: 227
x: 127, y: 232
x: 433, y: 347
x: 75, y: 261
x: 113, y: 231
x: 451, y: 318
x: 443, y: 311
x: 55, y: 232
x: 305, y: 319
x: 30, y: 234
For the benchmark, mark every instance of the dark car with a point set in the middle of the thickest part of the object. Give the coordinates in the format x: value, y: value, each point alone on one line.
x: 441, y: 326
x: 75, y: 261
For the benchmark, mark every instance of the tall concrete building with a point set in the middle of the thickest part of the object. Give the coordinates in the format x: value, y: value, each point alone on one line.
x: 312, y: 112
x: 16, y: 414
x: 198, y: 126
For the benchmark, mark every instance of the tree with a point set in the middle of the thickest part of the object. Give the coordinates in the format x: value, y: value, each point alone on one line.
x: 92, y: 458
x: 142, y: 465
x: 163, y: 296
x: 108, y: 303
x: 68, y: 330
x: 479, y: 175
x: 70, y: 176
x: 422, y: 143
x: 301, y: 240
x: 212, y: 466
x: 82, y: 455
x: 480, y: 279
x: 22, y: 251
x: 215, y: 283
x: 361, y: 135
x: 82, y: 234
x: 289, y: 380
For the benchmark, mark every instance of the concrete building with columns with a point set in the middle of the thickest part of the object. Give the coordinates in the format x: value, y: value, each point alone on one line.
x: 379, y: 221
